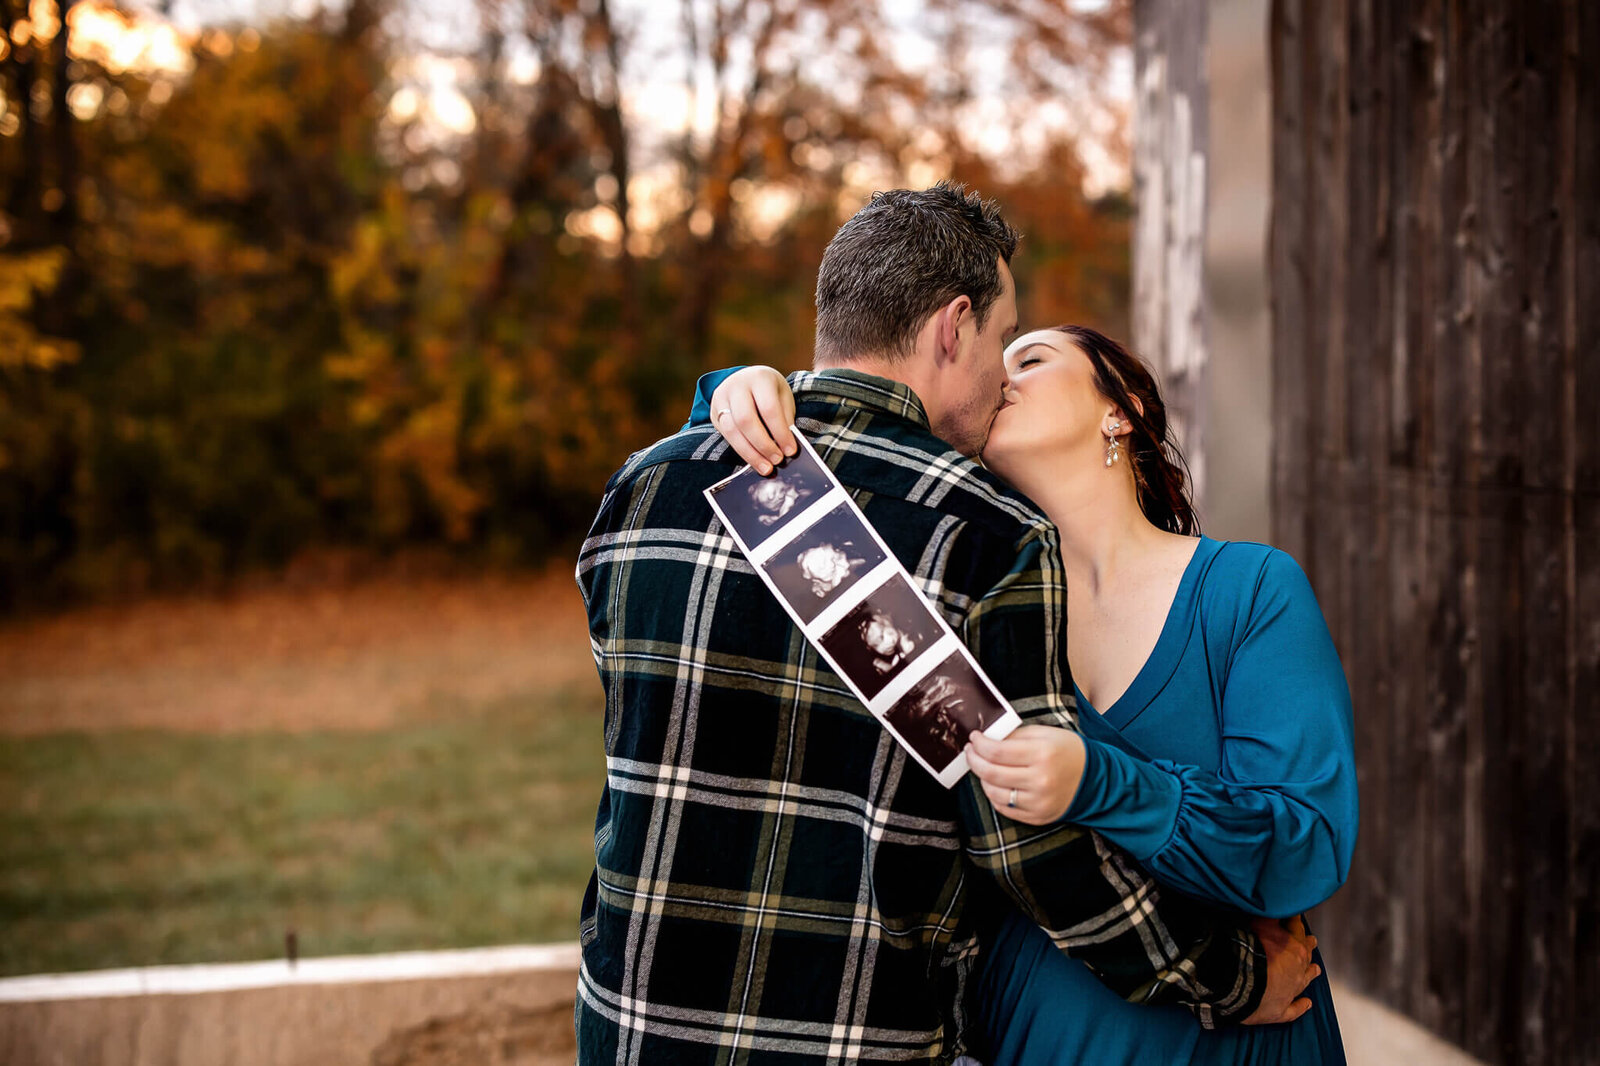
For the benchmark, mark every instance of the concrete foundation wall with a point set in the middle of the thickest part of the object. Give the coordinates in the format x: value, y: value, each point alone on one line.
x: 520, y: 1018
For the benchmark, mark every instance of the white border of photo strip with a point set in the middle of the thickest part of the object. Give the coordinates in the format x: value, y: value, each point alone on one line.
x: 926, y: 662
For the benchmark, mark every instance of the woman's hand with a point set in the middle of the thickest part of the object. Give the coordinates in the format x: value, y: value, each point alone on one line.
x: 1031, y: 775
x: 753, y: 408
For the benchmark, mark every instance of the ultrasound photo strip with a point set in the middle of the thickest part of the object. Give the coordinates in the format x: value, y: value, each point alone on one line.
x: 814, y: 549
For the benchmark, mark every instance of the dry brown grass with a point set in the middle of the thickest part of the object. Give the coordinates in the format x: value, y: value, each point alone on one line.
x: 361, y: 656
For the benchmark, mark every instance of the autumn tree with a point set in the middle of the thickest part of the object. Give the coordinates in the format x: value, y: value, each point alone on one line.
x: 265, y: 299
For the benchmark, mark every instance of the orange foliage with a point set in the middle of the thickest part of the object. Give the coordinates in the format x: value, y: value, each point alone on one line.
x: 251, y: 309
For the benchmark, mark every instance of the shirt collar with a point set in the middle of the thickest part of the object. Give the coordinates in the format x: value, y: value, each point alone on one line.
x: 861, y: 390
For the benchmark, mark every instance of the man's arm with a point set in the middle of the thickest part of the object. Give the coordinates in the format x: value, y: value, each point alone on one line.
x: 1091, y: 897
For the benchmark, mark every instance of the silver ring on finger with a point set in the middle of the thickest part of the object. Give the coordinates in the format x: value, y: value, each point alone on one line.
x: 725, y: 411
x: 1012, y: 802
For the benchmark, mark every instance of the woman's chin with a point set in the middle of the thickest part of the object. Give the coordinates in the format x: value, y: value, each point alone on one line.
x: 992, y: 458
x: 994, y: 444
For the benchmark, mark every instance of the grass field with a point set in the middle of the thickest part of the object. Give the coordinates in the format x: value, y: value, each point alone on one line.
x: 459, y: 816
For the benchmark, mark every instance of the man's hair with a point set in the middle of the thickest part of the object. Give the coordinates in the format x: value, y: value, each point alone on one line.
x: 900, y: 258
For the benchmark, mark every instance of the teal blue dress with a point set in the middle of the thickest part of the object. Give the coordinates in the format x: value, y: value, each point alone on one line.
x: 1228, y: 770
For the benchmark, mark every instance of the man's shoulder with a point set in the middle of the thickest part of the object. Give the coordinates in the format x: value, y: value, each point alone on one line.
x: 877, y: 457
x: 697, y: 443
x: 695, y: 455
x: 886, y: 456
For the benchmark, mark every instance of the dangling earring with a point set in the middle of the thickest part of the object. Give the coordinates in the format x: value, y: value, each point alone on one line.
x: 1113, y: 445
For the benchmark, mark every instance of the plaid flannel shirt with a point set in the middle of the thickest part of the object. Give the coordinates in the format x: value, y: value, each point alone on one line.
x: 776, y: 881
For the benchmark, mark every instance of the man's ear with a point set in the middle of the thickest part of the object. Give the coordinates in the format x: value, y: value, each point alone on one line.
x: 953, y: 317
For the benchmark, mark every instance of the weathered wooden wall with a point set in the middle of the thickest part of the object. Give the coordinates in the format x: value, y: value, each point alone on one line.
x: 1436, y: 335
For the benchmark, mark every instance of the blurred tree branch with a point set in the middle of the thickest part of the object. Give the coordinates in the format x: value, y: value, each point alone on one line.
x: 271, y: 297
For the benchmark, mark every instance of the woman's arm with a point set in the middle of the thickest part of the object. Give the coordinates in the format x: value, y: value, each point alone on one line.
x: 753, y: 408
x: 1094, y: 901
x: 1272, y: 832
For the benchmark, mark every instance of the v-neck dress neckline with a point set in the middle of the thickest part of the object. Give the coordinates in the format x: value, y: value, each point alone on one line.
x: 1165, y: 656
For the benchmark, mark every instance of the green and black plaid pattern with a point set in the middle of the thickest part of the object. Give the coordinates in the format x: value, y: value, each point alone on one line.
x: 776, y: 881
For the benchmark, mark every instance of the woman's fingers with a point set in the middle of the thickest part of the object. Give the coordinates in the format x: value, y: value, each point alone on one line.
x: 753, y: 410
x: 747, y: 415
x: 734, y: 415
x: 775, y: 404
x: 1002, y: 798
x: 997, y: 774
x: 757, y: 403
x: 1021, y: 793
x: 1018, y: 749
x: 1045, y: 762
x: 728, y: 426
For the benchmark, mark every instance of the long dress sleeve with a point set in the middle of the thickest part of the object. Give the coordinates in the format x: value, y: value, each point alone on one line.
x: 1271, y: 832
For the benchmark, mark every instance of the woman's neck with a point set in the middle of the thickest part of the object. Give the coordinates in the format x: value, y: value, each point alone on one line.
x: 1102, y: 529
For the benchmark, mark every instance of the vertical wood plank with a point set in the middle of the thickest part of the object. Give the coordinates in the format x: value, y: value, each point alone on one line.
x: 1531, y: 167
x: 1581, y: 372
x: 1289, y: 278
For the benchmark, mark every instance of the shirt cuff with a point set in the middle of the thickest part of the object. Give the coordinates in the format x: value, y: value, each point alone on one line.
x: 1126, y: 800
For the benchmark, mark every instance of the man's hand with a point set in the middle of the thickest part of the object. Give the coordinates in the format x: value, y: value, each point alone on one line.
x: 1289, y: 969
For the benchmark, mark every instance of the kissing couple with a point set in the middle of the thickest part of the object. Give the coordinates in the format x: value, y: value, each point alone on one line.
x: 1121, y: 879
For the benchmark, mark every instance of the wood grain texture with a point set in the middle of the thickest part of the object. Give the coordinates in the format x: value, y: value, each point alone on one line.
x: 1436, y: 360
